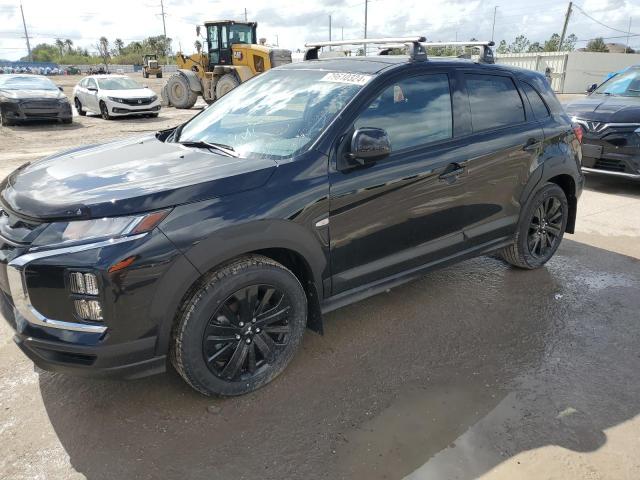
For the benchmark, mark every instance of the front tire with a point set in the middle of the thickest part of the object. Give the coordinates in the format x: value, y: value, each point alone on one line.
x: 226, y: 83
x: 4, y: 121
x: 179, y: 92
x: 79, y: 109
x: 241, y: 328
x: 540, y: 229
x: 104, y: 111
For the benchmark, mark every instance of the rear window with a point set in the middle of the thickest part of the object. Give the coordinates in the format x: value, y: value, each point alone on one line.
x: 494, y: 101
x: 538, y: 106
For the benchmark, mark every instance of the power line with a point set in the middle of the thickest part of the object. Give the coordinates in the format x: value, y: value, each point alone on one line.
x: 599, y: 22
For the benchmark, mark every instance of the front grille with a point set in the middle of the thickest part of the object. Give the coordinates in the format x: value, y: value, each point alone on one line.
x: 137, y: 101
x: 610, y: 165
x: 41, y: 115
x: 40, y: 104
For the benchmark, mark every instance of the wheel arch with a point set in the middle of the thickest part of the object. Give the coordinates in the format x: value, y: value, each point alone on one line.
x: 306, y: 262
x: 568, y: 185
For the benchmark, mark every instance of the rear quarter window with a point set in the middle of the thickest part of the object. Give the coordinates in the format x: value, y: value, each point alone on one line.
x: 540, y: 110
x: 494, y: 101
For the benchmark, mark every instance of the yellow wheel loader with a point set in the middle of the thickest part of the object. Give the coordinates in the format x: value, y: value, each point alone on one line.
x: 230, y: 56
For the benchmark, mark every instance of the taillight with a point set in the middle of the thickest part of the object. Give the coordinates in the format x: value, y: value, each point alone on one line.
x: 577, y: 129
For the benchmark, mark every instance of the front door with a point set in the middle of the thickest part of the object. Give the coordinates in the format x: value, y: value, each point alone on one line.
x: 398, y: 213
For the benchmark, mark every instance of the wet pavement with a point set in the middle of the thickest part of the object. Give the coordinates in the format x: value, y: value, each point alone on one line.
x: 479, y: 370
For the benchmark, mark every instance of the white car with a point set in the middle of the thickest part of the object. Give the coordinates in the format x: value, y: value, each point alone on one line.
x: 114, y: 96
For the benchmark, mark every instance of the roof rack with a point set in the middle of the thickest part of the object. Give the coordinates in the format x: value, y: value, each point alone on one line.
x: 486, y: 53
x: 417, y: 51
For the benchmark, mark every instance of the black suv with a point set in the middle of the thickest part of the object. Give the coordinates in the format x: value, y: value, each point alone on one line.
x: 316, y: 184
x: 610, y: 119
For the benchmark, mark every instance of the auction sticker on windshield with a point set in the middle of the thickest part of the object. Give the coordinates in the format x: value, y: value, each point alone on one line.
x: 341, y: 77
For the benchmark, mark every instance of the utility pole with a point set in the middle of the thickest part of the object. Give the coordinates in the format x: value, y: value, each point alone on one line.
x: 493, y: 28
x: 628, y: 35
x: 26, y: 35
x: 366, y: 8
x: 277, y: 40
x: 564, y: 27
x: 164, y: 27
x: 245, y: 14
x: 342, y: 34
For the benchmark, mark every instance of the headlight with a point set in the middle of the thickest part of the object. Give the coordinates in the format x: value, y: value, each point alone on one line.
x: 637, y: 131
x: 154, y: 98
x: 11, y: 100
x: 83, y: 231
x: 116, y: 99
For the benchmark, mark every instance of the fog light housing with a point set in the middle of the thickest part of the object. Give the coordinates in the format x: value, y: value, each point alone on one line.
x: 84, y: 283
x: 89, y: 309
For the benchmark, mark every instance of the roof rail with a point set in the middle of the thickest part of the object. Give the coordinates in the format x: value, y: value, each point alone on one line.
x: 486, y: 53
x: 417, y: 51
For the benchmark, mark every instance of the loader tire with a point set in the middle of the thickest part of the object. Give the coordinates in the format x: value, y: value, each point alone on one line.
x: 179, y: 93
x: 226, y: 83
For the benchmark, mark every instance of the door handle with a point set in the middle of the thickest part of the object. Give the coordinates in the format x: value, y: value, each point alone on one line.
x: 451, y: 171
x: 532, y: 144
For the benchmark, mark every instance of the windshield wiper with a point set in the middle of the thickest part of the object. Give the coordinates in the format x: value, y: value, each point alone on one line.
x: 218, y: 147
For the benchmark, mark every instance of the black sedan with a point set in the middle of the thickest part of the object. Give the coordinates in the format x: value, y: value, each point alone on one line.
x: 31, y: 97
x: 610, y: 120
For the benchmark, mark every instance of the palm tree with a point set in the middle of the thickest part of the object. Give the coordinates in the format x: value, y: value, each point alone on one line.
x: 68, y: 43
x: 60, y: 46
x: 119, y: 44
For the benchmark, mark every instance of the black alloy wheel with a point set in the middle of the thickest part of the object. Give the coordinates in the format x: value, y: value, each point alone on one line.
x: 542, y: 224
x: 545, y: 228
x: 247, y: 332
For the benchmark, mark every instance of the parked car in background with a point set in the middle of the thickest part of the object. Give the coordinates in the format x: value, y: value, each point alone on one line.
x: 314, y: 185
x: 26, y: 97
x: 610, y: 119
x: 114, y: 96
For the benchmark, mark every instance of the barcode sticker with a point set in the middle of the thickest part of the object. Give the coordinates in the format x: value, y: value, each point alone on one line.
x: 341, y: 77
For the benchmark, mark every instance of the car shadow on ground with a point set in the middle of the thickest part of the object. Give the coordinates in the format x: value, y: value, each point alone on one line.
x: 395, y: 380
x: 613, y: 185
x: 42, y: 126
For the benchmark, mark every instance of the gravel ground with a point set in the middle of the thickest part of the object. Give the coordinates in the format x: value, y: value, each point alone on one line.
x: 475, y: 371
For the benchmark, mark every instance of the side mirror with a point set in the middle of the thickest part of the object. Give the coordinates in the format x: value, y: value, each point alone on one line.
x: 61, y: 89
x: 369, y: 145
x: 592, y: 87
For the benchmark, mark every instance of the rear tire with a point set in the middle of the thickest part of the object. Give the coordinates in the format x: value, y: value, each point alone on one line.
x: 179, y: 92
x: 541, y: 227
x: 226, y: 83
x: 241, y: 328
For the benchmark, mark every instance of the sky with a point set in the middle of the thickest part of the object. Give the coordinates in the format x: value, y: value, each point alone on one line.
x: 290, y: 23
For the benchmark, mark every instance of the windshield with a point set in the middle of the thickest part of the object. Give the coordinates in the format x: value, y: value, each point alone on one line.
x: 118, y: 83
x: 277, y: 115
x: 625, y: 84
x: 26, y: 83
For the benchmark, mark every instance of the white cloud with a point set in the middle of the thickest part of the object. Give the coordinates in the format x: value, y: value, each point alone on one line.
x: 294, y: 22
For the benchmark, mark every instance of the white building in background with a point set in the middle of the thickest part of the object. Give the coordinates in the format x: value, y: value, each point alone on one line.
x: 572, y: 72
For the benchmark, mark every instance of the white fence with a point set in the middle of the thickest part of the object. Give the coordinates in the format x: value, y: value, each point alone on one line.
x: 571, y: 72
x: 114, y: 68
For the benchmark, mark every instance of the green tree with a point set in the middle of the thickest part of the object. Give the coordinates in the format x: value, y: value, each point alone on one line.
x: 60, y: 46
x: 119, y: 45
x: 569, y: 43
x: 103, y: 49
x: 596, y: 45
x: 535, y: 47
x: 502, y: 47
x: 520, y: 44
x: 68, y: 46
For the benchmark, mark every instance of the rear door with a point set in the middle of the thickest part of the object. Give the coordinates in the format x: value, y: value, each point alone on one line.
x: 502, y: 152
x: 407, y: 209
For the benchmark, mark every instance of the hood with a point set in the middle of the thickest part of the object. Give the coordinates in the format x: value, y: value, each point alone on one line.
x: 606, y: 108
x: 126, y: 177
x: 29, y: 94
x: 130, y: 93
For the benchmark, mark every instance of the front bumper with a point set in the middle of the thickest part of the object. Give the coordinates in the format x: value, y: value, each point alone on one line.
x: 611, y: 149
x: 36, y: 111
x: 120, y: 109
x: 36, y: 303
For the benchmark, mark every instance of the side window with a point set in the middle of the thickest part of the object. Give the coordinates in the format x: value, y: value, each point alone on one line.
x: 83, y: 83
x: 224, y: 37
x: 494, y: 101
x: 91, y: 83
x: 538, y: 106
x: 413, y: 112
